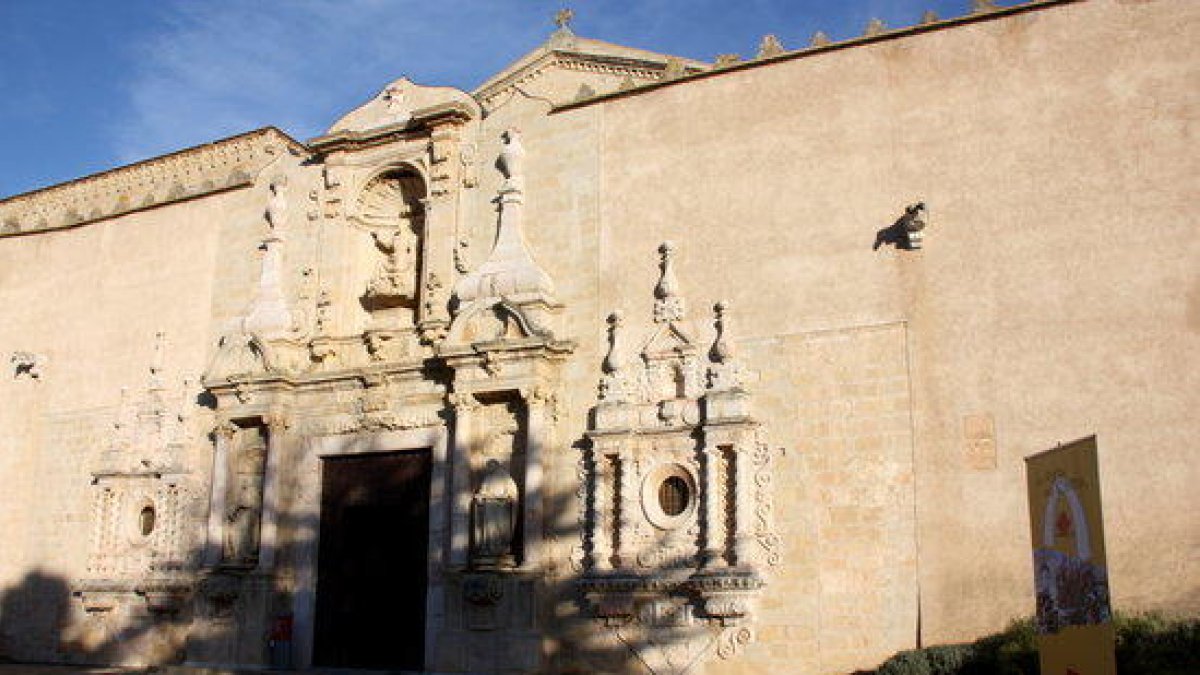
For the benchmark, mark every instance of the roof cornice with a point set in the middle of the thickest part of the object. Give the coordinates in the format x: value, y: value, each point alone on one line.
x: 219, y: 166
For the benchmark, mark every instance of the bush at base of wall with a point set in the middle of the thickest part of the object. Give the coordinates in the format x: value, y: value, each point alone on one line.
x: 1146, y: 645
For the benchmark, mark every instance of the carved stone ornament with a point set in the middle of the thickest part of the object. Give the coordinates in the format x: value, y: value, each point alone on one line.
x: 494, y: 519
x: 508, y: 296
x: 678, y: 534
x: 913, y: 222
x: 223, y: 165
x: 27, y: 365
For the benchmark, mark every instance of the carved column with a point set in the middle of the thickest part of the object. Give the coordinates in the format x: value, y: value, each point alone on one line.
x: 624, y: 508
x: 224, y: 435
x: 538, y: 404
x: 711, y: 555
x: 277, y: 425
x: 602, y: 511
x: 465, y: 406
x: 743, y: 513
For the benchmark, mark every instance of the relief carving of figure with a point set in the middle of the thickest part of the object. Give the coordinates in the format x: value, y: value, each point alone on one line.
x: 494, y: 518
x: 244, y: 514
x: 394, y: 276
x: 241, y: 524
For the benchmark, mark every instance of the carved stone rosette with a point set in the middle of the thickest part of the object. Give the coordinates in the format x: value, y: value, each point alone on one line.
x: 677, y: 533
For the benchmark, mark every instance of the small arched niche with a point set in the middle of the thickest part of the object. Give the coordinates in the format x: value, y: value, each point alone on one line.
x: 391, y: 207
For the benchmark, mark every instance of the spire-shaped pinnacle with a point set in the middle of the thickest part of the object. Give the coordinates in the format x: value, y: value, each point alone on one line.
x: 724, y: 373
x: 668, y: 306
x: 615, y: 359
x: 722, y: 349
x: 769, y: 46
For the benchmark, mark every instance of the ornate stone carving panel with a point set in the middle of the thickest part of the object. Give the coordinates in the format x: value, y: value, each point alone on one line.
x: 678, y: 531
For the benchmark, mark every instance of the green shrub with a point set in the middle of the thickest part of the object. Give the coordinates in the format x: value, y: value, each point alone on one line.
x: 1148, y: 644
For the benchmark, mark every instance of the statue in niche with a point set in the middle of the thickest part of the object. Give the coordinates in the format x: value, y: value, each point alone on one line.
x: 244, y: 514
x: 394, y: 276
x: 494, y: 518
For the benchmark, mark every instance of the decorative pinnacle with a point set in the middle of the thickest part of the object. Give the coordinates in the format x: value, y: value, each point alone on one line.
x: 722, y: 349
x: 819, y: 39
x: 668, y: 285
x: 614, y: 360
x: 875, y: 27
x: 668, y: 306
x: 929, y: 17
x: 563, y: 17
x: 770, y: 46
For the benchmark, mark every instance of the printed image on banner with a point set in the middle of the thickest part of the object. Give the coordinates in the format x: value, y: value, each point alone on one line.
x: 1074, y: 617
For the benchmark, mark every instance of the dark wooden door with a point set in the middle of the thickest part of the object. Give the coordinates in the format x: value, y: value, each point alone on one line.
x: 372, y: 558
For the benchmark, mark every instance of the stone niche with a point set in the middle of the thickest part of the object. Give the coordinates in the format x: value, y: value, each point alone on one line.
x: 391, y: 208
x: 678, y: 536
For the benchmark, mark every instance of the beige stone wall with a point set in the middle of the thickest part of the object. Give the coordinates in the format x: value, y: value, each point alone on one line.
x: 90, y: 301
x: 1056, y: 297
x: 1053, y: 295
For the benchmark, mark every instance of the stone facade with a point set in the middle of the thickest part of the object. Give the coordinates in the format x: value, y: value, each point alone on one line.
x: 695, y: 385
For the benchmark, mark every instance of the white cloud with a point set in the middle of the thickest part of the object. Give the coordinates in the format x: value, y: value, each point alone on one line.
x: 218, y: 69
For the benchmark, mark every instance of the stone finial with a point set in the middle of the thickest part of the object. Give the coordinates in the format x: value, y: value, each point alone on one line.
x: 724, y: 373
x: 819, y: 39
x: 626, y: 84
x: 769, y: 46
x: 668, y: 306
x: 722, y: 348
x: 982, y: 6
x: 512, y: 161
x: 510, y: 270
x: 615, y: 359
x: 929, y: 17
x: 563, y: 17
x: 875, y: 27
x: 674, y: 68
x: 726, y: 60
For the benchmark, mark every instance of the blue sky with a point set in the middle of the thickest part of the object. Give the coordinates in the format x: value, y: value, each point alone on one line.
x: 86, y: 85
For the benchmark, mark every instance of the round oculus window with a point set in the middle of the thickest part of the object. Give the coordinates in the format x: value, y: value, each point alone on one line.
x: 668, y: 495
x: 674, y: 495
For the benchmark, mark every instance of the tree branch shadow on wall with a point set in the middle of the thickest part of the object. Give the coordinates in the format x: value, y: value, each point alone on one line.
x: 46, y: 618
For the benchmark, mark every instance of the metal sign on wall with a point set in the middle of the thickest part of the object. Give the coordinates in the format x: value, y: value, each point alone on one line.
x: 1074, y: 617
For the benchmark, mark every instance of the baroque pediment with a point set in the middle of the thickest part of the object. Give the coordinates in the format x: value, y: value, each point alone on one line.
x: 400, y: 103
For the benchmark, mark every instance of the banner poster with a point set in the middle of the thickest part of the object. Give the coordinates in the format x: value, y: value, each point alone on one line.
x: 1074, y: 619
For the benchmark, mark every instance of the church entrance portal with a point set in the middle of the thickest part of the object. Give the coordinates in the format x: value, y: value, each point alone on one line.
x: 372, y: 561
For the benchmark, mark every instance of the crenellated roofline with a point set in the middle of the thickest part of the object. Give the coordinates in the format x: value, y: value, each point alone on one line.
x: 876, y: 32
